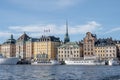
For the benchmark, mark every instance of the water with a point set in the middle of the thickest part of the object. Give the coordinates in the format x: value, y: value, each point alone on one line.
x: 60, y: 72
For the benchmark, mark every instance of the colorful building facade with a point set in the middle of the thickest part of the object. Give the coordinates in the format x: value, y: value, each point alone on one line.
x: 70, y: 50
x: 88, y: 45
x: 45, y: 48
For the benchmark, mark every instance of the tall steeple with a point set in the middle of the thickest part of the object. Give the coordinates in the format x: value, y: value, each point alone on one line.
x: 66, y: 39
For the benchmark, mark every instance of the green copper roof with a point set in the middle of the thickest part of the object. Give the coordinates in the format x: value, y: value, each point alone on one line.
x: 69, y: 44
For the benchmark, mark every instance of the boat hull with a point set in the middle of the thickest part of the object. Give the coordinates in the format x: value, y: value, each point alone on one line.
x: 9, y: 61
x: 113, y: 62
x: 52, y: 62
x: 91, y: 62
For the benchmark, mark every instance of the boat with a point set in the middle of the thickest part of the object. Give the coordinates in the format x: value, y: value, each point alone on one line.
x: 51, y: 62
x: 8, y: 61
x: 113, y: 62
x: 84, y: 61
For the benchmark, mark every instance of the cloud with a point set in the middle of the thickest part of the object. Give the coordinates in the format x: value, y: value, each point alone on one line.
x: 91, y: 26
x: 36, y: 30
x: 113, y: 30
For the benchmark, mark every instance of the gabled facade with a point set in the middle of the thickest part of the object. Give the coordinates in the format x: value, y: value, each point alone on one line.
x: 88, y: 45
x: 21, y: 46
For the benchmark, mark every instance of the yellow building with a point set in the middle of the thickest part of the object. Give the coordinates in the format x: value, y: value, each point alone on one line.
x: 46, y: 48
x: 100, y: 52
x: 30, y: 48
x: 8, y: 48
x: 105, y: 49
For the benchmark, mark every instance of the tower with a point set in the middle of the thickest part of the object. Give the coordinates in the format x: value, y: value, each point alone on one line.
x: 11, y: 36
x: 66, y: 39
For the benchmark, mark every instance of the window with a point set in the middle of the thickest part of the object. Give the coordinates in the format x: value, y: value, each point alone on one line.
x: 88, y: 53
x: 110, y: 50
x: 68, y: 51
x: 91, y: 53
x: 106, y: 54
x: 110, y: 55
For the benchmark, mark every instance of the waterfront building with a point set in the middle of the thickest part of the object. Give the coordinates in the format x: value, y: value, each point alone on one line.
x: 88, y: 45
x: 21, y: 46
x: 70, y: 50
x: 45, y: 48
x: 117, y: 43
x: 8, y: 48
x: 30, y: 48
x: 105, y: 49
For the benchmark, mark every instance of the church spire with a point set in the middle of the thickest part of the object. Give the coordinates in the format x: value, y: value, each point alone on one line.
x: 66, y: 39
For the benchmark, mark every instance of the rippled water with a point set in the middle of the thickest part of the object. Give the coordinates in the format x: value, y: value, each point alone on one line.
x: 60, y: 72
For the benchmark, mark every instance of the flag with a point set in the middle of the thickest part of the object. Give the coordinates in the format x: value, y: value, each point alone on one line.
x: 47, y: 30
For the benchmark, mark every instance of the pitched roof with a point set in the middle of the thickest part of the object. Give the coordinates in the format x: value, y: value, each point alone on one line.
x: 23, y: 37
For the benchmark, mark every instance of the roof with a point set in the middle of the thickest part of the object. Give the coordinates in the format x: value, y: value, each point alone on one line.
x: 33, y: 39
x: 10, y: 41
x: 104, y: 42
x: 69, y: 44
x: 50, y: 38
x: 23, y: 37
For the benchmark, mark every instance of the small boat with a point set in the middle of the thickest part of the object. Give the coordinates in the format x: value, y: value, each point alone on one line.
x: 51, y: 62
x: 113, y: 62
x: 8, y: 61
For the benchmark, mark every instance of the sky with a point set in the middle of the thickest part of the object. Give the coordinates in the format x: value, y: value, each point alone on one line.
x: 100, y: 17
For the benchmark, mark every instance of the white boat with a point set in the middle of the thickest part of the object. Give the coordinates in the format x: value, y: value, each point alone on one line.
x: 8, y: 61
x: 84, y: 62
x: 87, y: 60
x: 113, y: 62
x: 51, y: 62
